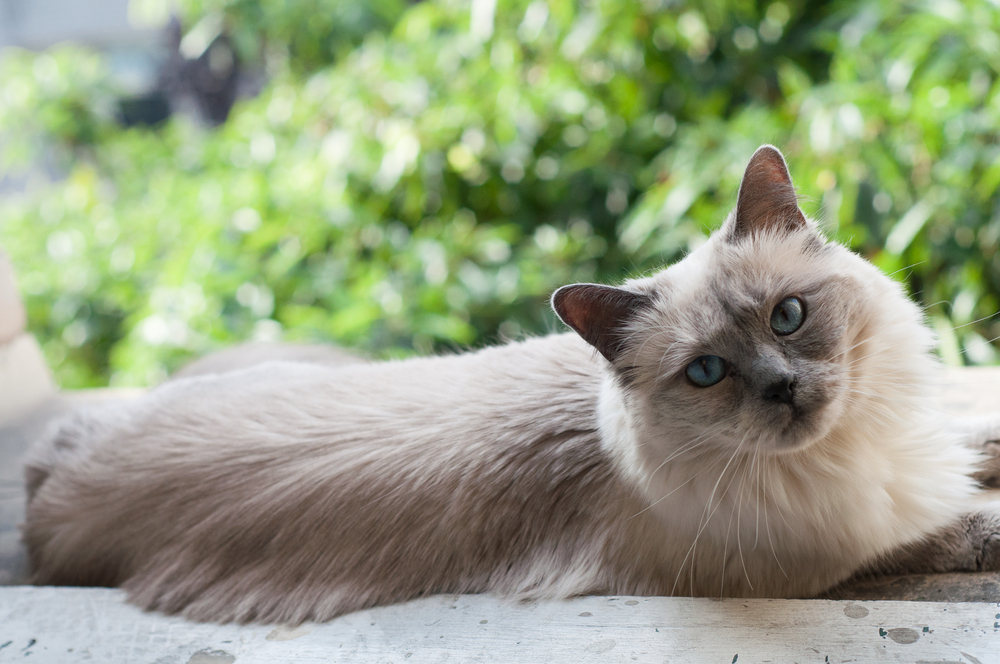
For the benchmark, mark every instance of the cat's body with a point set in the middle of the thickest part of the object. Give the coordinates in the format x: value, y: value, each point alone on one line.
x: 345, y: 487
x: 291, y: 491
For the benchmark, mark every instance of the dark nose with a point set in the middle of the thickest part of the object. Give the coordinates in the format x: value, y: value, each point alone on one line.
x: 780, y: 390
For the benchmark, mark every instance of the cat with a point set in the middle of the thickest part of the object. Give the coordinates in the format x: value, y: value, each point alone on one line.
x: 754, y: 420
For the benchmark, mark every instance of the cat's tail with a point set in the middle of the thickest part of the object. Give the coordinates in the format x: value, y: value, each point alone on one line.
x: 53, y: 524
x: 62, y: 443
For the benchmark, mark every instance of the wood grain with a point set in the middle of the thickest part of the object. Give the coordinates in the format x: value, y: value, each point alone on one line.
x: 76, y: 625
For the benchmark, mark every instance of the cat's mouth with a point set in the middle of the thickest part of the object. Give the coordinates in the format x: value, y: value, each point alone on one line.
x: 799, y: 424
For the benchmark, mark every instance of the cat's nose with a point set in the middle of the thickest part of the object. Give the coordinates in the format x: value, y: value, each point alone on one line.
x: 780, y: 391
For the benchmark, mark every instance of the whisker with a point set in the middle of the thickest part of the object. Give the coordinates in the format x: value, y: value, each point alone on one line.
x: 679, y: 487
x: 767, y: 527
x: 704, y: 523
x: 958, y: 327
x: 757, y: 496
x: 906, y: 268
x: 739, y: 514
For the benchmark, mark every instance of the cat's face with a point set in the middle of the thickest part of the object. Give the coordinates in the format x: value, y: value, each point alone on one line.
x: 748, y: 344
x: 765, y: 338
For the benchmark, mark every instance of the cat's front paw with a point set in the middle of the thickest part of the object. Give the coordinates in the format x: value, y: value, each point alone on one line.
x: 988, y: 472
x: 983, y: 537
x: 971, y: 544
x: 982, y: 434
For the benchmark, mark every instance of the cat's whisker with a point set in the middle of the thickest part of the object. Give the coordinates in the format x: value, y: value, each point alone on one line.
x: 735, y: 512
x: 887, y: 373
x: 852, y: 362
x: 878, y: 407
x: 958, y: 327
x: 704, y: 522
x: 725, y: 555
x: 722, y: 498
x: 867, y: 339
x: 869, y: 381
x: 788, y: 526
x: 739, y: 514
x: 858, y: 360
x: 927, y: 307
x: 663, y: 358
x: 677, y: 488
x: 892, y: 274
x: 980, y: 320
x: 864, y: 341
x: 865, y: 393
x: 767, y: 527
x: 657, y: 502
x: 756, y: 536
x: 660, y: 332
x: 858, y: 384
x: 860, y: 342
x: 700, y: 440
x: 989, y: 341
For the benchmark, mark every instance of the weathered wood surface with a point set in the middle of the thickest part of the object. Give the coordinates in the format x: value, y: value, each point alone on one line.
x: 77, y: 625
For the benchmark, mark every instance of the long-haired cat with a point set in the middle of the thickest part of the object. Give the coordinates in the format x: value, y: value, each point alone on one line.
x: 755, y: 420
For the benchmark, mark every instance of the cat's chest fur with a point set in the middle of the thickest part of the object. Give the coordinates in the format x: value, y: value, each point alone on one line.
x: 742, y: 522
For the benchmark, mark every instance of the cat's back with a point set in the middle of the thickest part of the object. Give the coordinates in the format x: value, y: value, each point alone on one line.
x: 285, y: 404
x: 395, y: 401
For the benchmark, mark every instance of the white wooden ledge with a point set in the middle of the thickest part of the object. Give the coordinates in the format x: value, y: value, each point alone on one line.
x: 95, y: 625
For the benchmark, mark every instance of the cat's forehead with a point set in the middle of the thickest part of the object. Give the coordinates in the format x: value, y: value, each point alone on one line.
x: 721, y: 295
x: 726, y: 290
x: 748, y: 273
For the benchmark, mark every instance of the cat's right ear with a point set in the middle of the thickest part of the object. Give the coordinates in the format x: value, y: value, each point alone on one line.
x: 767, y: 199
x: 599, y: 314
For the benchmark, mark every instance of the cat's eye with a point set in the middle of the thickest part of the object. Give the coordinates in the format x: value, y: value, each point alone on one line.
x: 788, y: 316
x: 707, y: 370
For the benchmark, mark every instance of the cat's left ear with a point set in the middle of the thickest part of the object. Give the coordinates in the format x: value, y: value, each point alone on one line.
x: 599, y: 314
x: 767, y: 198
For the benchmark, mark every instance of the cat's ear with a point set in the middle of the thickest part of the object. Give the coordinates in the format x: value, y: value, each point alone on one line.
x: 767, y: 198
x: 599, y: 314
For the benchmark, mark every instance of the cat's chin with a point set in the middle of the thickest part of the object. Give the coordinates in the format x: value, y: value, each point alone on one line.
x: 796, y: 436
x: 803, y: 428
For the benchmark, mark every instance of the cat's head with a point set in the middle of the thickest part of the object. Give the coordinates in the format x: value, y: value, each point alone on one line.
x: 767, y: 336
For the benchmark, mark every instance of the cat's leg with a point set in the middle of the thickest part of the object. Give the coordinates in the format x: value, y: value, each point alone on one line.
x: 982, y: 434
x: 971, y: 544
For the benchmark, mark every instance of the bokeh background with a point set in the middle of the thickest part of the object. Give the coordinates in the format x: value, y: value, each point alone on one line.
x: 413, y: 178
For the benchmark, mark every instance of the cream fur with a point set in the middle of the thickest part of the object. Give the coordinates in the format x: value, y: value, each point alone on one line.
x: 793, y: 523
x: 295, y: 490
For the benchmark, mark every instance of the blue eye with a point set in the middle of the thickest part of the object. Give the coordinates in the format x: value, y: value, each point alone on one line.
x: 788, y: 316
x: 706, y: 370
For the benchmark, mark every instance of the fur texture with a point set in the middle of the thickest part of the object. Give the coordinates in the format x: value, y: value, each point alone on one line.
x: 291, y: 491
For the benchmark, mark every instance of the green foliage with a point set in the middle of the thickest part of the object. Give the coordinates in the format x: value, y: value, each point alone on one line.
x: 310, y: 33
x: 432, y: 187
x: 53, y: 107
